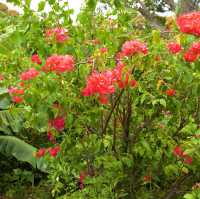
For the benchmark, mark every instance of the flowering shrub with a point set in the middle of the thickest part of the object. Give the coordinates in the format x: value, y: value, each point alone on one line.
x: 112, y: 113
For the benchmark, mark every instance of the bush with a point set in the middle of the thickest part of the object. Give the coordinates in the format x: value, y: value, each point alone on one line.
x: 113, y: 111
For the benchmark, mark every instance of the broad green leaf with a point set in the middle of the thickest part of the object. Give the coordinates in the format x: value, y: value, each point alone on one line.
x: 10, y: 145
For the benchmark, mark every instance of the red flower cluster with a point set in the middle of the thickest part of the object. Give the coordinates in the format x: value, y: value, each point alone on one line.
x: 174, y: 47
x: 52, y: 151
x: 178, y: 152
x: 15, y: 92
x: 170, y: 92
x: 193, y: 53
x: 190, y: 23
x: 60, y: 34
x: 127, y: 82
x: 103, y: 83
x: 41, y: 152
x: 132, y: 47
x: 58, y: 123
x: 59, y: 63
x: 36, y: 59
x: 99, y: 83
x: 30, y: 74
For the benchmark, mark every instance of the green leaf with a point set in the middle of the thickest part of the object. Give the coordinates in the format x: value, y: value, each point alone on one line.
x: 163, y: 102
x: 41, y: 6
x: 22, y: 151
x: 4, y: 101
x: 189, y: 196
x: 3, y: 91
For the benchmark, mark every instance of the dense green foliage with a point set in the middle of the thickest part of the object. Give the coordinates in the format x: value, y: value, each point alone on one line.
x: 122, y: 149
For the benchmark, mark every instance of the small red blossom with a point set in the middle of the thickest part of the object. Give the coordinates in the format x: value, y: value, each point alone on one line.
x: 190, y: 23
x: 81, y: 179
x: 54, y: 151
x: 21, y: 84
x: 133, y: 83
x: 103, y: 50
x: 188, y: 160
x: 36, y: 59
x: 59, y: 63
x: 17, y: 99
x: 30, y: 74
x: 121, y: 84
x: 51, y: 137
x: 170, y: 92
x: 14, y: 90
x: 190, y: 57
x: 174, y: 47
x: 133, y: 47
x: 41, y: 152
x: 1, y: 77
x: 178, y: 151
x: 58, y: 123
x: 103, y: 99
x: 59, y: 34
x: 193, y: 53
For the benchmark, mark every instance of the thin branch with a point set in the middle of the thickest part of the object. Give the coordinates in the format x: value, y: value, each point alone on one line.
x: 111, y: 112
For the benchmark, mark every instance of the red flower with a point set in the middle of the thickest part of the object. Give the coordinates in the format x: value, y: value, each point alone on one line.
x: 54, y: 151
x: 41, y: 152
x: 30, y: 74
x: 178, y: 151
x: 59, y: 63
x: 36, y: 59
x: 51, y: 137
x: 17, y: 99
x: 60, y: 34
x: 99, y: 83
x: 190, y: 57
x: 193, y: 53
x: 14, y: 90
x: 81, y: 179
x: 133, y: 83
x: 121, y: 84
x: 170, y: 92
x: 195, y: 48
x: 132, y: 47
x: 188, y: 159
x: 190, y: 23
x: 103, y: 50
x: 174, y: 48
x: 1, y: 77
x: 58, y: 123
x: 103, y: 99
